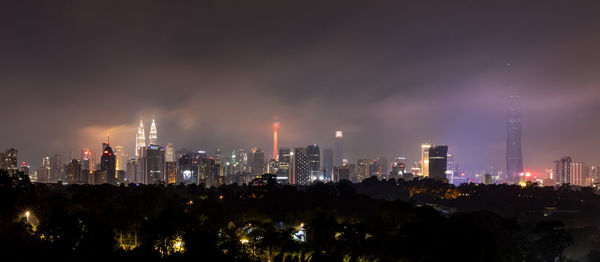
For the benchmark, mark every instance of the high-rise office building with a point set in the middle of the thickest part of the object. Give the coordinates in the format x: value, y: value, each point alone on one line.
x: 88, y: 158
x: 132, y: 175
x: 341, y: 173
x: 398, y: 169
x: 55, y: 169
x: 363, y: 169
x: 74, y: 173
x: 577, y: 174
x: 301, y: 174
x: 170, y: 153
x: 25, y: 168
x: 8, y: 160
x: 140, y: 140
x: 284, y: 163
x: 219, y: 157
x: 314, y: 162
x: 328, y: 164
x: 258, y: 165
x: 108, y: 165
x: 171, y: 172
x: 153, y: 136
x: 120, y: 157
x: 438, y: 161
x: 562, y: 170
x: 514, y: 155
x: 186, y: 173
x: 338, y: 149
x: 425, y: 160
x: 451, y: 167
x: 154, y: 164
x: 43, y: 173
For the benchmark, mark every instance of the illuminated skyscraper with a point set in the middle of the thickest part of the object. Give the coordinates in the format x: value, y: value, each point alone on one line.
x: 170, y: 153
x: 88, y: 159
x: 283, y: 171
x: 153, y: 137
x: 186, y: 172
x: 314, y: 161
x: 363, y: 167
x: 425, y: 160
x: 338, y: 149
x: 275, y: 129
x: 8, y: 160
x: 154, y: 164
x: 140, y: 141
x: 120, y: 156
x: 562, y: 170
x: 108, y: 164
x: 301, y: 172
x: 514, y: 155
x: 74, y: 172
x: 577, y: 174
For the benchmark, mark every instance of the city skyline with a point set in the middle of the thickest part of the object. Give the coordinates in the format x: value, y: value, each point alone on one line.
x: 410, y: 81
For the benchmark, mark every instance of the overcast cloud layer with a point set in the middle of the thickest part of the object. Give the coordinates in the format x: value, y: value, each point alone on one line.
x: 390, y: 74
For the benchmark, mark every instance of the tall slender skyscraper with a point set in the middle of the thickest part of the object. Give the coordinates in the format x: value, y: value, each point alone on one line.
x: 314, y: 161
x: 328, y: 163
x: 170, y: 152
x: 301, y: 173
x: 514, y: 155
x: 425, y: 160
x: 153, y: 137
x: 338, y: 149
x: 140, y: 140
x: 108, y: 164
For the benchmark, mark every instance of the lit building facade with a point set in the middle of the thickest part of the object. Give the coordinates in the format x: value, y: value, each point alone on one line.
x: 301, y: 167
x: 108, y: 163
x: 424, y: 171
x: 562, y: 170
x: 154, y: 164
x: 314, y: 161
x: 338, y: 149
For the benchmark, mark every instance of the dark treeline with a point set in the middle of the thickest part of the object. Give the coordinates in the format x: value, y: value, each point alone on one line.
x: 375, y: 220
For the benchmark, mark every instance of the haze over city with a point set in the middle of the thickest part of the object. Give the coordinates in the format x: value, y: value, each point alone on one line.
x: 391, y: 75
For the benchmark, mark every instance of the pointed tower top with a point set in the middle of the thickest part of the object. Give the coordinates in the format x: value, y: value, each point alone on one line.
x: 153, y: 138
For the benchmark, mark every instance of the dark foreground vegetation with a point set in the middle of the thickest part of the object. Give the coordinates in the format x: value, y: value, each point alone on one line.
x: 372, y: 221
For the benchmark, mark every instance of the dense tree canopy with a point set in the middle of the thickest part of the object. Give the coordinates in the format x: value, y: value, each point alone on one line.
x: 375, y: 220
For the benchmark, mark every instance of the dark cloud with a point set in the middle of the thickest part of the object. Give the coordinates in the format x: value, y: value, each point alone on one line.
x: 391, y: 74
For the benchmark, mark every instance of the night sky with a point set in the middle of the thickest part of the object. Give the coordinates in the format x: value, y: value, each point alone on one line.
x: 390, y: 74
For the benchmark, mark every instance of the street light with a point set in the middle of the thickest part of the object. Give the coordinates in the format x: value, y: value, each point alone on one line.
x: 27, y: 216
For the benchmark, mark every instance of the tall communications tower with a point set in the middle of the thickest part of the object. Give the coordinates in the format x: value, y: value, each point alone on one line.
x: 514, y: 154
x: 275, y: 129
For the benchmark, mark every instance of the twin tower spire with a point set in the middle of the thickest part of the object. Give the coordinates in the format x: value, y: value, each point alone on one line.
x: 140, y: 141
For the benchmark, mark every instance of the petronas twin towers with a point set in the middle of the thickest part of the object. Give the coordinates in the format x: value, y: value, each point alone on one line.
x: 140, y: 140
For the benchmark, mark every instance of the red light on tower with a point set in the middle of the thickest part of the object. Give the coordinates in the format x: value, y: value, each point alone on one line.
x: 275, y: 129
x: 528, y: 174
